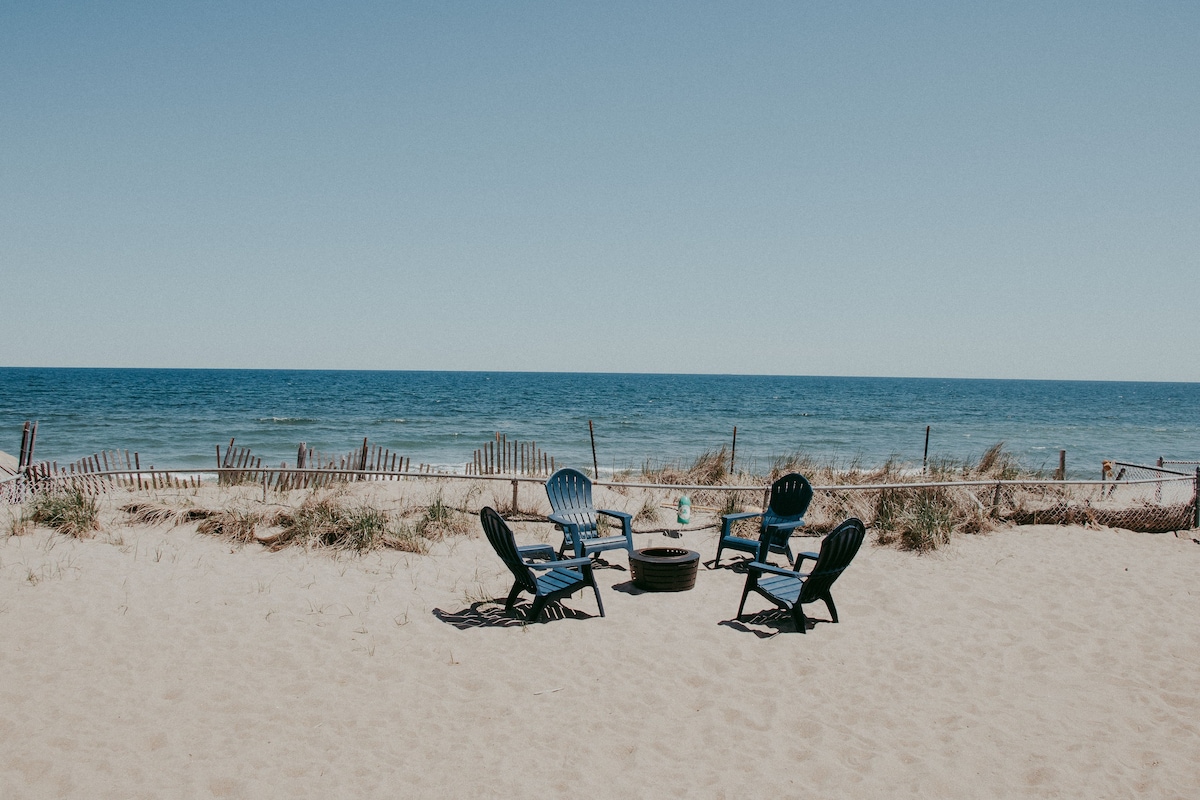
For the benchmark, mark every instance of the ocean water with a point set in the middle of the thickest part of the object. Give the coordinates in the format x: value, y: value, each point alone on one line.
x: 176, y: 418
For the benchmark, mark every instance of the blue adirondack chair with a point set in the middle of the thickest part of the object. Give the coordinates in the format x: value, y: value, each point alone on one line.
x: 790, y: 496
x: 561, y: 578
x: 570, y: 494
x: 790, y: 589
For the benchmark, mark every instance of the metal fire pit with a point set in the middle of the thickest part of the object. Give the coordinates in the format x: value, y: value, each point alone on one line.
x: 664, y: 569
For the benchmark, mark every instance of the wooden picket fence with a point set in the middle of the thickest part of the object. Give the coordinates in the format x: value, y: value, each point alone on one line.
x: 505, y: 457
x: 103, y: 471
x: 369, y: 457
x: 238, y: 466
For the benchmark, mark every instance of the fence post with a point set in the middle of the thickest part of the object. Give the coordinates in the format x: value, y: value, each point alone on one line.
x: 24, y: 445
x: 515, y: 485
x: 733, y: 452
x: 595, y: 466
x: 1196, y: 501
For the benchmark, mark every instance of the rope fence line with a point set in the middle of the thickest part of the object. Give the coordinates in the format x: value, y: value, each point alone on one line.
x: 387, y: 475
x: 1156, y: 500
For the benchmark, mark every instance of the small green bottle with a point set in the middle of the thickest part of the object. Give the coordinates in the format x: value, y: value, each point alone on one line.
x: 684, y: 515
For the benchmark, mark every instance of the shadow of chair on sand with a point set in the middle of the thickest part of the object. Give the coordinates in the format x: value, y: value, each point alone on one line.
x: 491, y: 614
x: 776, y: 620
x: 737, y: 566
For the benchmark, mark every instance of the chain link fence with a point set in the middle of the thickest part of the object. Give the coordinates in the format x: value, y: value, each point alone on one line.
x: 1150, y: 505
x: 13, y: 489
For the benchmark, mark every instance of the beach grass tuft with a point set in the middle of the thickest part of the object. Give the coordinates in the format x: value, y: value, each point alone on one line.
x: 233, y: 524
x: 325, y: 521
x: 441, y: 520
x: 924, y: 521
x: 152, y: 513
x: 710, y: 468
x: 71, y: 512
x: 998, y: 463
x: 405, y: 538
x: 648, y: 513
x: 20, y: 524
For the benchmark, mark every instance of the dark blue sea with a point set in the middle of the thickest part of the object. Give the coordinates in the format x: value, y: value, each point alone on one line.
x: 175, y: 417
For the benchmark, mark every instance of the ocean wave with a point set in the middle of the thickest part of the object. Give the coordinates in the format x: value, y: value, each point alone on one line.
x: 288, y: 420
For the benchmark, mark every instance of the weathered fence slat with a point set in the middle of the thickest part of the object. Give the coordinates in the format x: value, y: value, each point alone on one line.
x: 504, y: 456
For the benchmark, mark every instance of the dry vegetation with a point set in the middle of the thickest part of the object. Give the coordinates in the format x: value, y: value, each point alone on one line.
x: 322, y: 519
x: 71, y: 512
x: 917, y: 518
x: 901, y: 512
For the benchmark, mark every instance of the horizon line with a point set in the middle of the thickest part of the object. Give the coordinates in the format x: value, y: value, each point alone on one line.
x: 600, y: 373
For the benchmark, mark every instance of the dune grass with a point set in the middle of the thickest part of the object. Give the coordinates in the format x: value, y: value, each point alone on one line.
x: 323, y: 520
x: 906, y: 514
x: 440, y: 520
x: 71, y: 512
x: 920, y: 519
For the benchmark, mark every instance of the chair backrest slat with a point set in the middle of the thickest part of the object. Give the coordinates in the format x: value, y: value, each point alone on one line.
x: 570, y: 494
x: 505, y: 545
x: 790, y: 497
x: 837, y: 551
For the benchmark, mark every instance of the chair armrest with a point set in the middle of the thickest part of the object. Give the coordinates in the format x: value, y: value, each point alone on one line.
x: 566, y: 562
x: 531, y: 550
x: 759, y: 566
x: 786, y: 526
x: 727, y: 520
x: 626, y: 521
x: 560, y: 520
x: 810, y: 556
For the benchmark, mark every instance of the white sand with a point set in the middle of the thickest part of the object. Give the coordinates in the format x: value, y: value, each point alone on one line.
x: 1034, y: 662
x: 8, y: 464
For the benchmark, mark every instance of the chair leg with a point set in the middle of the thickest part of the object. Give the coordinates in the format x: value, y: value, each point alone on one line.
x: 828, y: 598
x: 599, y: 602
x: 717, y: 560
x: 799, y: 618
x: 512, y: 597
x: 750, y: 579
x: 535, y: 610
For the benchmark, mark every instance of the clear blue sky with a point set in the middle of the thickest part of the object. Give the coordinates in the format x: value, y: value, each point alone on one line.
x: 912, y: 189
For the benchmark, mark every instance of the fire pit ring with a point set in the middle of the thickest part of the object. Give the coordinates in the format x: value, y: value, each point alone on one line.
x: 664, y: 569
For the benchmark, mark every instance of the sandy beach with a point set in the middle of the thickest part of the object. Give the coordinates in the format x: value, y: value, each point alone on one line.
x: 153, y: 661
